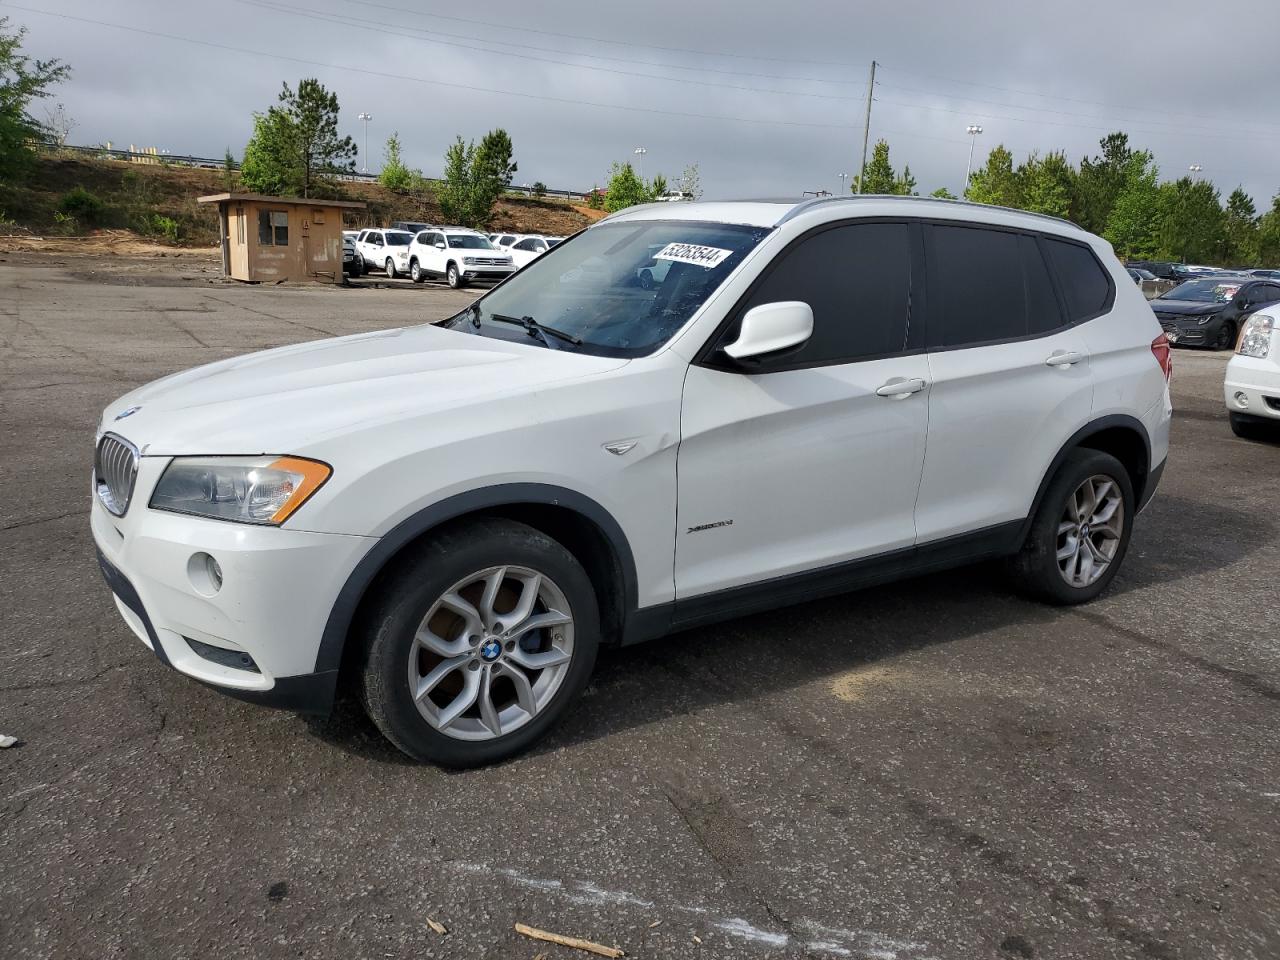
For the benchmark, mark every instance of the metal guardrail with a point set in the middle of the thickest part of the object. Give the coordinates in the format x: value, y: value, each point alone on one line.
x: 210, y: 163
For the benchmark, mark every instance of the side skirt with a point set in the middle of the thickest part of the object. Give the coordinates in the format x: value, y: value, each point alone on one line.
x: 652, y: 622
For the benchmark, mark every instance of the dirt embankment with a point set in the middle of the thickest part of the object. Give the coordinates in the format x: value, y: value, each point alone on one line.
x: 154, y: 206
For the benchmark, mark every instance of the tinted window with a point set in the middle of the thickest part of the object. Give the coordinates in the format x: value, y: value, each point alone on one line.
x: 1084, y: 283
x: 977, y: 286
x: 524, y: 245
x: 857, y: 279
x: 1043, y: 311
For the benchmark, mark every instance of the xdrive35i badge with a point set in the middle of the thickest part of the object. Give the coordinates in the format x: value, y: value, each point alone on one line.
x: 710, y: 526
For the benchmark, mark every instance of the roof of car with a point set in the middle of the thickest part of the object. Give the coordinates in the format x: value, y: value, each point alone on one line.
x: 774, y: 212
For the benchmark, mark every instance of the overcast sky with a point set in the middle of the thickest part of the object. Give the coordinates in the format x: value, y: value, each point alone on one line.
x: 766, y: 97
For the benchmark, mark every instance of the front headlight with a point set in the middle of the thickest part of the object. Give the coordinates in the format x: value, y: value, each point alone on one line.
x: 1255, y: 336
x: 1206, y: 318
x: 469, y: 261
x: 245, y: 489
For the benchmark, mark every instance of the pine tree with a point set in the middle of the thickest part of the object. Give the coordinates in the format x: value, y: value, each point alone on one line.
x: 995, y: 182
x: 878, y: 175
x: 1241, y: 229
x: 295, y: 147
x: 1133, y: 226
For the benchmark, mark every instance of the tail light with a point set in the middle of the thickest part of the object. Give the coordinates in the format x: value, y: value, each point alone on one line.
x: 1161, y: 350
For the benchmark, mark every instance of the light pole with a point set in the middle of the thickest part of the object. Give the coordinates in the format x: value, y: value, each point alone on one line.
x: 366, y: 117
x: 640, y: 152
x: 843, y: 178
x: 972, y: 130
x: 1195, y: 168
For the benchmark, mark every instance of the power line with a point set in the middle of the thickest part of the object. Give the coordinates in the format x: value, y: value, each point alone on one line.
x: 346, y: 23
x: 471, y: 88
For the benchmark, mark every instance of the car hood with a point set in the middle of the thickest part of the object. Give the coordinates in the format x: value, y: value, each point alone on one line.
x: 1186, y: 308
x: 291, y: 399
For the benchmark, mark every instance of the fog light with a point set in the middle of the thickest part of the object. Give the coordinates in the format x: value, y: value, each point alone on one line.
x: 205, y: 574
x: 1242, y: 399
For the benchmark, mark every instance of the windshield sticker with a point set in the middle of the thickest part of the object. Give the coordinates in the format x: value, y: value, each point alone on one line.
x: 693, y: 253
x: 1225, y: 291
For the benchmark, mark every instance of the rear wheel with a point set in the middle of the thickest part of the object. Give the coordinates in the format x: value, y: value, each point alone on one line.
x: 1080, y: 533
x: 390, y: 267
x: 479, y: 643
x: 415, y: 271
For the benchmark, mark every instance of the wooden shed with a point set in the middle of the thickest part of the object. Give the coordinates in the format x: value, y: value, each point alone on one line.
x: 280, y: 238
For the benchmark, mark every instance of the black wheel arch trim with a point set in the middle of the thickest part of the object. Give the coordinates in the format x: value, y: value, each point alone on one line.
x: 333, y: 640
x: 1141, y: 486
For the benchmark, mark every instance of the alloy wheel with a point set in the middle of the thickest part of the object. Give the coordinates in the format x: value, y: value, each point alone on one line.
x: 1090, y: 530
x: 491, y: 653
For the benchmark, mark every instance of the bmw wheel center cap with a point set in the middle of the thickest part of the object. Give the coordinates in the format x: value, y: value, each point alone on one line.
x: 490, y: 651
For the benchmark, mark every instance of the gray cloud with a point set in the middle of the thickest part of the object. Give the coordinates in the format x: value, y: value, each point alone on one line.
x: 1187, y: 81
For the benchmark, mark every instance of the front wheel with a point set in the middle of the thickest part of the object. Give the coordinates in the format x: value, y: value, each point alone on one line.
x: 478, y: 643
x: 1080, y: 533
x: 1226, y: 338
x: 391, y: 269
x: 453, y: 277
x: 1253, y: 428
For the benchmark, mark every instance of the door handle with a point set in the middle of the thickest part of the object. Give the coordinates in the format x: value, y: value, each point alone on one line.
x: 900, y: 387
x: 1063, y: 358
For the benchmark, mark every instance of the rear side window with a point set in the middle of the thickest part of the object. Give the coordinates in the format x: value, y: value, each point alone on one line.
x: 1086, y: 286
x: 978, y: 290
x: 857, y: 279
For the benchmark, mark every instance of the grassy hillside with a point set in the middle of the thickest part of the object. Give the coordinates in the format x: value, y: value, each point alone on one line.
x: 160, y: 202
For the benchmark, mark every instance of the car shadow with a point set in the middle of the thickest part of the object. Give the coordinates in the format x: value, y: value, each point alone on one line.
x: 793, y: 646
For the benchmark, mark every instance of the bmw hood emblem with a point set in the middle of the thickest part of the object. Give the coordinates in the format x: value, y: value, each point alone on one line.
x: 127, y: 412
x: 491, y: 651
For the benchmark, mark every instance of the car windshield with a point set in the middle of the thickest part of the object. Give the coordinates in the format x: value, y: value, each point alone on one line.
x: 591, y: 287
x: 469, y: 241
x: 1203, y: 291
x: 397, y: 239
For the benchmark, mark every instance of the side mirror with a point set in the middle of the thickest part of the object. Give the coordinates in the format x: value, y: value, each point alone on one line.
x: 439, y: 246
x: 772, y: 327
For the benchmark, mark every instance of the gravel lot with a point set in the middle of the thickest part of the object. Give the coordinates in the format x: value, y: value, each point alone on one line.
x: 934, y: 769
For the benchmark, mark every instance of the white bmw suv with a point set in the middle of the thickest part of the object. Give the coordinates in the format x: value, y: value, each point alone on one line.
x: 454, y: 517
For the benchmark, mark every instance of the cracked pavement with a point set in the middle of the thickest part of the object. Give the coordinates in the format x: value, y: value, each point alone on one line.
x: 931, y: 769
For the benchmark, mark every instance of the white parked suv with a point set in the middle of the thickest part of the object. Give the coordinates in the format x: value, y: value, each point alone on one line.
x: 454, y: 517
x: 1252, y: 385
x: 458, y: 256
x: 386, y: 250
x: 528, y: 248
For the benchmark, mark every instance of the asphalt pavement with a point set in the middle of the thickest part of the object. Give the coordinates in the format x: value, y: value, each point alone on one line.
x: 934, y: 769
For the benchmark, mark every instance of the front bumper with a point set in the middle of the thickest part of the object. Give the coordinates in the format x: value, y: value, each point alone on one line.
x: 487, y: 273
x: 1189, y: 333
x: 1259, y: 381
x: 258, y: 636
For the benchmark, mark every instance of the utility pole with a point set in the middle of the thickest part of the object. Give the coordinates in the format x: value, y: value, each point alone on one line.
x: 866, y: 126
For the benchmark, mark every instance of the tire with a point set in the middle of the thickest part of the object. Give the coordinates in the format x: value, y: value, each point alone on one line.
x: 415, y: 271
x: 390, y: 267
x: 1252, y: 428
x: 462, y: 561
x: 1036, y: 569
x: 454, y: 277
x: 1226, y: 338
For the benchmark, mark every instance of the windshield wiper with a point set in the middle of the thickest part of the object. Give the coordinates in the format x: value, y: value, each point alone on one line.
x: 536, y: 329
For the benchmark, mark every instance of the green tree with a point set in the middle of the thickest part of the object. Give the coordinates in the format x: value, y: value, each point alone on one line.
x: 539, y: 189
x: 394, y: 174
x: 1100, y: 181
x: 1046, y: 186
x: 474, y: 178
x: 1269, y: 235
x: 995, y: 182
x: 877, y: 175
x: 1191, y: 221
x: 595, y: 199
x: 658, y: 186
x: 942, y: 193
x: 229, y: 170
x: 295, y: 147
x: 1133, y: 226
x: 905, y: 185
x: 625, y: 188
x: 22, y: 80
x: 1240, y: 229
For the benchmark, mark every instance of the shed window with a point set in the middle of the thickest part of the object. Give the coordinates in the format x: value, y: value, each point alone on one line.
x: 273, y: 228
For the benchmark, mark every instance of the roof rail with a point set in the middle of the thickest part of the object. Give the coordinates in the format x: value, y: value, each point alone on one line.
x: 806, y: 205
